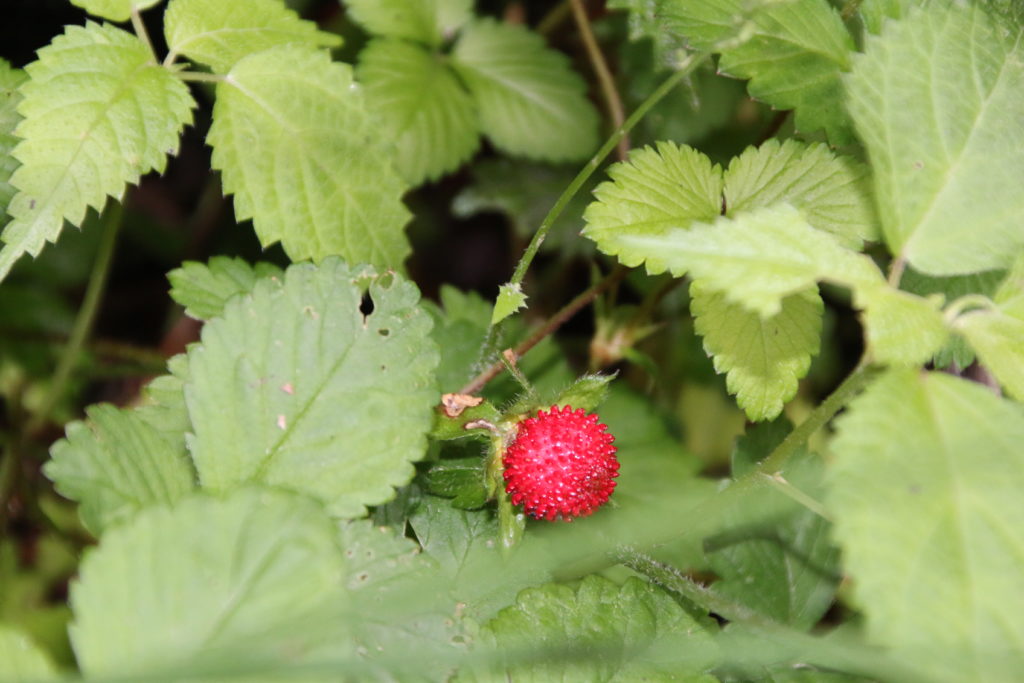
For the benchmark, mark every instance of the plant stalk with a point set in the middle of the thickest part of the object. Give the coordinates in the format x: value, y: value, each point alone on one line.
x: 612, y: 101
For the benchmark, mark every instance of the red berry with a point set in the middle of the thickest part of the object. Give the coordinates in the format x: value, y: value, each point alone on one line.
x: 561, y: 463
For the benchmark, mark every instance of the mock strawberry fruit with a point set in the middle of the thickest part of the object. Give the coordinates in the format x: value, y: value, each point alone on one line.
x: 561, y: 464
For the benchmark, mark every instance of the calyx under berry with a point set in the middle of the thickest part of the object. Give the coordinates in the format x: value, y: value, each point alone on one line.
x: 561, y: 464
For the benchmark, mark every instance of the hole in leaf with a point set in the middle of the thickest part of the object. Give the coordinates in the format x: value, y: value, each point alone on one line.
x: 383, y: 331
x: 366, y: 305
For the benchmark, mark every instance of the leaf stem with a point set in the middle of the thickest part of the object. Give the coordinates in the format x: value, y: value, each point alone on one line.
x: 896, y: 269
x: 686, y: 68
x: 140, y: 30
x: 553, y: 323
x: 200, y: 76
x: 605, y: 79
x: 111, y: 224
x: 782, y: 485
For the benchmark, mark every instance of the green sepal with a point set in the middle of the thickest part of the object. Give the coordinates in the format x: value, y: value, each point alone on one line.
x: 587, y: 392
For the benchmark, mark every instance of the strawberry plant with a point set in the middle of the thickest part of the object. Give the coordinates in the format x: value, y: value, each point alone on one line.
x: 442, y: 340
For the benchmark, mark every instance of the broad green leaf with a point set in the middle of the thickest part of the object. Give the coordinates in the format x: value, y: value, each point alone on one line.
x: 998, y: 339
x: 598, y: 630
x: 421, y: 106
x: 645, y: 22
x: 461, y: 480
x: 832, y: 192
x: 654, y: 191
x: 115, y: 10
x: 10, y: 80
x: 296, y: 386
x: 764, y: 357
x: 21, y: 659
x: 792, y: 52
x: 874, y: 13
x: 305, y: 161
x: 385, y: 577
x: 221, y: 33
x: 1010, y: 294
x: 937, y: 99
x: 925, y: 493
x: 531, y: 102
x: 425, y: 21
x: 757, y: 258
x: 203, y: 289
x: 460, y: 326
x: 902, y: 329
x: 255, y: 577
x: 510, y: 299
x: 116, y: 464
x: 781, y: 564
x: 98, y: 113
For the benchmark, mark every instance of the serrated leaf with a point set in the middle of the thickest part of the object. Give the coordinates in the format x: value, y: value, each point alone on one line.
x: 757, y: 258
x: 764, y: 358
x: 598, y: 631
x: 98, y: 113
x: 421, y: 106
x: 832, y: 192
x: 925, y: 492
x: 10, y: 80
x: 510, y: 299
x: 221, y: 33
x: 425, y: 21
x: 531, y: 102
x: 116, y: 464
x: 782, y: 564
x: 654, y: 191
x: 253, y: 577
x: 793, y: 53
x: 998, y: 339
x: 298, y: 150
x: 295, y: 386
x: 937, y: 100
x: 204, y: 289
x: 21, y: 659
x: 902, y: 329
x: 115, y: 10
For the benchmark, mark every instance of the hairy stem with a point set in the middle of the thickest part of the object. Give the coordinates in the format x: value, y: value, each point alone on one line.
x: 553, y: 323
x: 609, y: 93
x: 111, y: 224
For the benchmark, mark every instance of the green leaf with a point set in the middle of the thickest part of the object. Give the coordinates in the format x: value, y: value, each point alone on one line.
x: 98, y: 113
x: 461, y: 479
x: 252, y: 578
x: 385, y: 577
x: 204, y: 289
x: 304, y: 160
x: 832, y: 192
x: 296, y: 386
x: 510, y: 299
x: 645, y: 22
x: 793, y: 53
x: 937, y: 100
x: 115, y: 10
x: 21, y: 659
x: 10, y: 80
x: 425, y: 21
x: 782, y: 564
x: 902, y: 329
x: 421, y: 106
x: 925, y: 492
x: 531, y: 103
x: 998, y: 340
x: 757, y: 258
x: 956, y: 350
x: 598, y: 630
x: 459, y: 330
x: 654, y: 191
x: 764, y: 357
x: 116, y: 464
x: 221, y: 33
